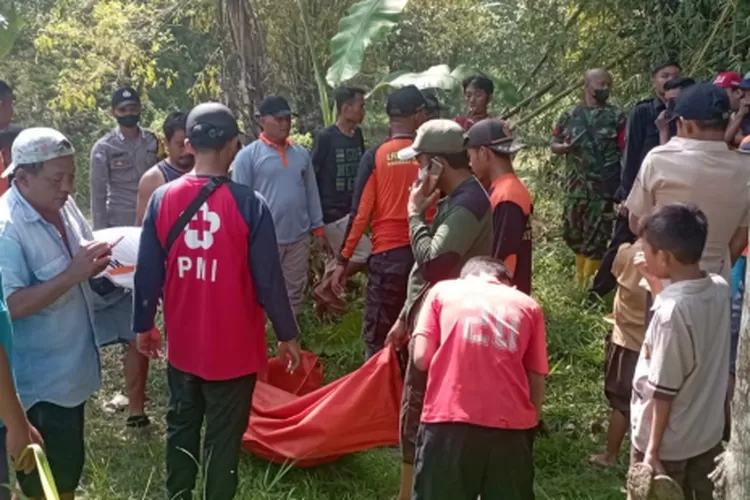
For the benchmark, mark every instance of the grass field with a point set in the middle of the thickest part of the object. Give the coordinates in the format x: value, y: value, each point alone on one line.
x: 123, y: 465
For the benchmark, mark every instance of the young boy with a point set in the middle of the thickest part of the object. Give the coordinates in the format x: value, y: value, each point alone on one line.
x: 677, y: 410
x: 484, y: 346
x: 622, y: 348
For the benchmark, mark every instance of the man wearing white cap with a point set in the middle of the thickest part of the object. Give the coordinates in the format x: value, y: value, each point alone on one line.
x: 47, y: 256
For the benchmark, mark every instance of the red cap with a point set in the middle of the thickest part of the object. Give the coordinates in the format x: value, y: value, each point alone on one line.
x: 728, y: 80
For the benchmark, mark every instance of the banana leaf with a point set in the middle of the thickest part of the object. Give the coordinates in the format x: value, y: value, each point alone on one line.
x: 366, y: 22
x: 442, y: 77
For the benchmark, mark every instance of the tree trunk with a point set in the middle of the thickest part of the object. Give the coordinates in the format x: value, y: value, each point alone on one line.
x: 732, y: 476
x: 249, y: 42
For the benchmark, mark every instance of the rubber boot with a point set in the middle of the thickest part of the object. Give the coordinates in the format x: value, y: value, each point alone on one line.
x: 580, y: 268
x: 590, y: 268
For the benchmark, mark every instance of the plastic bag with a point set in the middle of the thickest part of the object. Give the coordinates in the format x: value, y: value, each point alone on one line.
x: 354, y: 413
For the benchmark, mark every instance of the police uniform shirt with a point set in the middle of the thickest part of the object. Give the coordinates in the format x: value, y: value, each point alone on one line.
x: 117, y: 165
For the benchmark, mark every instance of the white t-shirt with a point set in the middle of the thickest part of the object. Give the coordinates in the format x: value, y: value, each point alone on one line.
x: 685, y: 358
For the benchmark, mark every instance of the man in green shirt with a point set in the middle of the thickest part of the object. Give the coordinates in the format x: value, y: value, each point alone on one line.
x: 462, y: 229
x: 590, y: 136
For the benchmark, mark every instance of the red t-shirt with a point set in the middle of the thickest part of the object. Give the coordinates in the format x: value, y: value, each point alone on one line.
x: 489, y: 336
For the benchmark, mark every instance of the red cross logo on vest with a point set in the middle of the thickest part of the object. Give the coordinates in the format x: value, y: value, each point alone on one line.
x: 199, y: 233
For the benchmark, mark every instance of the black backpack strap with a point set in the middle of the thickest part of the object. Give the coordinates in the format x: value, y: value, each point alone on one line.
x: 195, y: 205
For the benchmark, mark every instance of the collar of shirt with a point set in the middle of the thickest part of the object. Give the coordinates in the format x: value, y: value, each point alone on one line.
x: 280, y: 149
x: 675, y: 290
x: 28, y: 212
x: 121, y: 136
x: 697, y: 145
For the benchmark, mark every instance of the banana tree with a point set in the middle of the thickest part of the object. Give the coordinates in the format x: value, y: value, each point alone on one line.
x: 443, y: 78
x: 366, y: 22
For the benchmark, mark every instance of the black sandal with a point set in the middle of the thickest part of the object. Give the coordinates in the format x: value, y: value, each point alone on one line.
x: 138, y: 422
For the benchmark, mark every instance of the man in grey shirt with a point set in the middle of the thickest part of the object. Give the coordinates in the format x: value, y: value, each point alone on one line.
x: 118, y: 160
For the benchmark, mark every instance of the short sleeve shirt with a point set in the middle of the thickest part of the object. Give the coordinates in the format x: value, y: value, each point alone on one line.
x: 630, y: 300
x: 706, y: 173
x: 685, y: 359
x: 489, y: 336
x: 55, y: 354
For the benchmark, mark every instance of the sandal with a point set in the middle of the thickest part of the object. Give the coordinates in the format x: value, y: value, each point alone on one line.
x: 137, y: 422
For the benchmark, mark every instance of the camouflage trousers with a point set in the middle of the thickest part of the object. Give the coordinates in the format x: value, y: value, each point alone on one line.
x: 588, y: 219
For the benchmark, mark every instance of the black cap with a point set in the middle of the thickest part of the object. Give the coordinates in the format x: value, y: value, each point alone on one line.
x: 274, y: 106
x: 405, y: 102
x: 703, y: 101
x: 494, y: 134
x: 680, y: 82
x: 125, y: 95
x: 211, y: 125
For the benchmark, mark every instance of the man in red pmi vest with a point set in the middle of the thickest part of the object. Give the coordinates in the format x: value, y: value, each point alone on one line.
x: 209, y: 245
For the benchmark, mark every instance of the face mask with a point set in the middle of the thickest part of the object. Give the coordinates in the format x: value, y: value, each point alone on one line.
x: 128, y: 121
x: 601, y: 95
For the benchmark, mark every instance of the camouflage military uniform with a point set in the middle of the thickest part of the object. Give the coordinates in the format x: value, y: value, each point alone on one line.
x: 592, y: 176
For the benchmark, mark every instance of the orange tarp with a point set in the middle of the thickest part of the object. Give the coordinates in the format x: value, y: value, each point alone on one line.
x: 354, y: 413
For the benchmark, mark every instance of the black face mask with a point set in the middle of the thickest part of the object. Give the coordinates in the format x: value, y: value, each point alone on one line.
x: 128, y: 121
x: 601, y: 95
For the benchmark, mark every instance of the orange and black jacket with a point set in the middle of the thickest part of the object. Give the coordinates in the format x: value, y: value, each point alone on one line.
x: 511, y: 220
x: 380, y: 198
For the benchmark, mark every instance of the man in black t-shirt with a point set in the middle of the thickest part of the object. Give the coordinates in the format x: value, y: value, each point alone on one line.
x: 337, y: 151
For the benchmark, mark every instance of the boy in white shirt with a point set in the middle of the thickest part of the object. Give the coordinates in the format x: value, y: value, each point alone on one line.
x: 677, y: 410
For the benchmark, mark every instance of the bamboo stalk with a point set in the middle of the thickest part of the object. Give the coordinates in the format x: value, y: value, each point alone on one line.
x: 552, y: 46
x: 325, y: 108
x: 725, y: 13
x: 569, y: 90
x: 518, y: 107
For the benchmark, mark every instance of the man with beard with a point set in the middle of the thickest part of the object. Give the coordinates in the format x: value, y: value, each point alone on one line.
x: 641, y: 136
x: 590, y: 136
x: 118, y: 161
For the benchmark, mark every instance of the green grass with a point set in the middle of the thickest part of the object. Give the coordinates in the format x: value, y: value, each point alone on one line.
x: 122, y: 465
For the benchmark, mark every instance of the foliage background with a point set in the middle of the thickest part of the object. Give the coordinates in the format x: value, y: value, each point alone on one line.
x: 71, y: 54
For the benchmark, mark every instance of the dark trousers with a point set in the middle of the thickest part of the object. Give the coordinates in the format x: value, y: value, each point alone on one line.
x: 226, y: 407
x: 4, y: 471
x: 457, y: 461
x: 604, y: 281
x: 385, y: 295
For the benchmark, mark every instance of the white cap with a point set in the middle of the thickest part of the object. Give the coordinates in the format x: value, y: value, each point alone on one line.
x: 38, y: 144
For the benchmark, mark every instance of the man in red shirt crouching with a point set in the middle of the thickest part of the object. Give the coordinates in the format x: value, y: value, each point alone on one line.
x: 209, y: 246
x: 484, y: 346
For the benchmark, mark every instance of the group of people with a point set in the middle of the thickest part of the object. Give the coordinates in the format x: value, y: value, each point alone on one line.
x: 222, y: 220
x: 657, y: 206
x: 448, y: 258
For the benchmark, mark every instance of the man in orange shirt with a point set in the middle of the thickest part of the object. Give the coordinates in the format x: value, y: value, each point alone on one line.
x: 491, y: 148
x: 380, y: 198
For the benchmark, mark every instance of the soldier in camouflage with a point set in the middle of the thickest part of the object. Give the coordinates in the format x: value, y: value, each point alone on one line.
x: 590, y: 136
